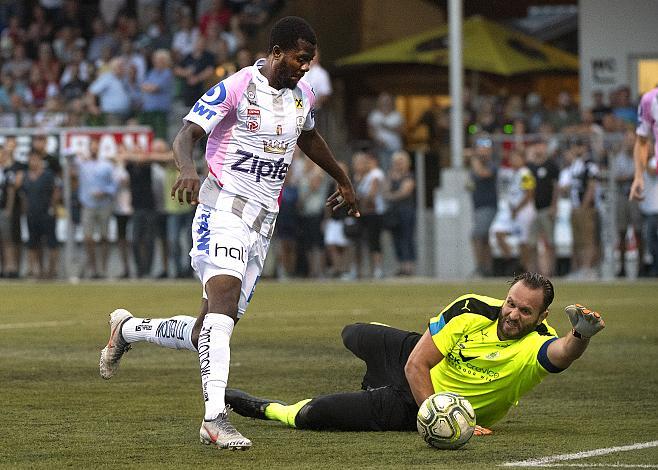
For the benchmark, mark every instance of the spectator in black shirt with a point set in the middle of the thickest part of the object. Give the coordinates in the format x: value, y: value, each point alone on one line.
x: 485, y: 202
x: 8, y: 172
x: 547, y: 174
x: 195, y: 70
x: 144, y: 216
x: 40, y: 192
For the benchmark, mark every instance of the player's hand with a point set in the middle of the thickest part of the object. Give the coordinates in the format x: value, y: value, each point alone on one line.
x: 584, y: 321
x: 637, y: 190
x: 344, y: 197
x: 186, y: 188
x: 482, y: 431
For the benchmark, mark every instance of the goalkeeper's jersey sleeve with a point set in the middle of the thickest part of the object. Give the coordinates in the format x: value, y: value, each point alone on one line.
x: 492, y: 374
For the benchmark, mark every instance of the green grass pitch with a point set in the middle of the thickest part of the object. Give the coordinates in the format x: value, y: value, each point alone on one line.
x: 57, y: 412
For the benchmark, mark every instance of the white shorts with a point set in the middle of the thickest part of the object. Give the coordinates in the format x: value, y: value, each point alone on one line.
x: 334, y: 233
x: 519, y: 226
x: 223, y: 244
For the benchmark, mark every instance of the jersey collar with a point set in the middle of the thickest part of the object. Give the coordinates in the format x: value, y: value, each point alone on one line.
x: 262, y: 82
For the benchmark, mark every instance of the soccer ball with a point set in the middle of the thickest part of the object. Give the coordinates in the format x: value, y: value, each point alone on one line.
x: 446, y: 420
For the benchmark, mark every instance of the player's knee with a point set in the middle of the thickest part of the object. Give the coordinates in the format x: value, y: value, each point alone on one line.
x: 312, y: 415
x: 350, y: 335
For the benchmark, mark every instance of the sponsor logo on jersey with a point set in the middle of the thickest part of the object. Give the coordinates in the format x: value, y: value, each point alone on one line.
x: 215, y: 95
x: 275, y: 146
x: 466, y: 358
x: 253, y: 119
x: 203, y: 111
x: 300, y: 124
x: 254, y: 165
x: 299, y: 104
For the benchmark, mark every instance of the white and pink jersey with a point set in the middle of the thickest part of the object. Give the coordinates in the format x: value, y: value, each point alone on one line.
x: 252, y: 131
x: 647, y: 117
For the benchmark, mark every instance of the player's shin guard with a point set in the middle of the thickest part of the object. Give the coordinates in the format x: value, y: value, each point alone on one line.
x: 284, y: 413
x: 172, y: 333
x: 214, y: 358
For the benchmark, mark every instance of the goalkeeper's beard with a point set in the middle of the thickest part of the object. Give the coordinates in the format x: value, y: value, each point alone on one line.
x: 512, y: 329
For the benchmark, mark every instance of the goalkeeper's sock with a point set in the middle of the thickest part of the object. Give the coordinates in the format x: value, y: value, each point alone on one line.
x: 284, y: 413
x: 172, y: 333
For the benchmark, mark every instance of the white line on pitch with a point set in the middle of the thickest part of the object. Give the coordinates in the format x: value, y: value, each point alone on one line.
x: 598, y: 465
x: 37, y: 324
x: 546, y: 461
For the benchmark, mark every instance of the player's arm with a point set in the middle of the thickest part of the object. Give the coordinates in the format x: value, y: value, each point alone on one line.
x: 424, y: 356
x: 315, y: 147
x: 187, y: 184
x: 640, y: 156
x: 586, y: 323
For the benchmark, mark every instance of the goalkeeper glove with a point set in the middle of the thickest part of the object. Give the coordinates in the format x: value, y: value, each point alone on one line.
x: 585, y: 323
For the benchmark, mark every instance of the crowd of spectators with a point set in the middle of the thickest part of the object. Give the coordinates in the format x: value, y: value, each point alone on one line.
x: 539, y: 171
x: 553, y: 180
x: 112, y: 62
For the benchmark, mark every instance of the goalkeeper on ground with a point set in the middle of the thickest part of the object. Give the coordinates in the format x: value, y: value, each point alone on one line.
x: 488, y: 350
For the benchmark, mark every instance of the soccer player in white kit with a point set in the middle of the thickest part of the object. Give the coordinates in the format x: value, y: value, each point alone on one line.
x: 253, y: 119
x: 647, y: 124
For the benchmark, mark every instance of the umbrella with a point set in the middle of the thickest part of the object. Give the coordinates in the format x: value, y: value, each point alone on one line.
x: 489, y: 47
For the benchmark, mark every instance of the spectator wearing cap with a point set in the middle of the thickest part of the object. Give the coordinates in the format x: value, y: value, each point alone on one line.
x: 483, y: 176
x: 115, y: 104
x: 157, y: 94
x: 97, y: 188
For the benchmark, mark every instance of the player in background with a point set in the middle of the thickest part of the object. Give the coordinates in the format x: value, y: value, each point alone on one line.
x: 491, y: 351
x: 647, y: 123
x: 253, y: 119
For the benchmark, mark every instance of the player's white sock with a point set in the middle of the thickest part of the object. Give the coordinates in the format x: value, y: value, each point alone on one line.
x: 172, y: 333
x: 214, y: 359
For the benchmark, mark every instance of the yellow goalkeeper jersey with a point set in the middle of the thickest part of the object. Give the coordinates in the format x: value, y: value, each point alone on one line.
x: 492, y: 374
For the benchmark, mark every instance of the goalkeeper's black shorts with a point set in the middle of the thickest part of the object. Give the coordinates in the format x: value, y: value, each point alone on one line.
x: 385, y: 402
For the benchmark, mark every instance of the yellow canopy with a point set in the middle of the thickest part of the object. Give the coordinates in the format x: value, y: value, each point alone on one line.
x: 488, y: 47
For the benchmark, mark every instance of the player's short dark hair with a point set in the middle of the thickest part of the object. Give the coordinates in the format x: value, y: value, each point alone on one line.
x: 287, y: 31
x: 537, y: 281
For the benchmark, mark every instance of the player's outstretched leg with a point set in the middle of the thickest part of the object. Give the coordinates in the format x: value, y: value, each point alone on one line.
x: 172, y: 333
x: 248, y: 405
x: 382, y: 409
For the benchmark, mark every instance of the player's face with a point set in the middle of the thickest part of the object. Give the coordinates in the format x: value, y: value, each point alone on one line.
x: 521, y: 312
x: 292, y: 65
